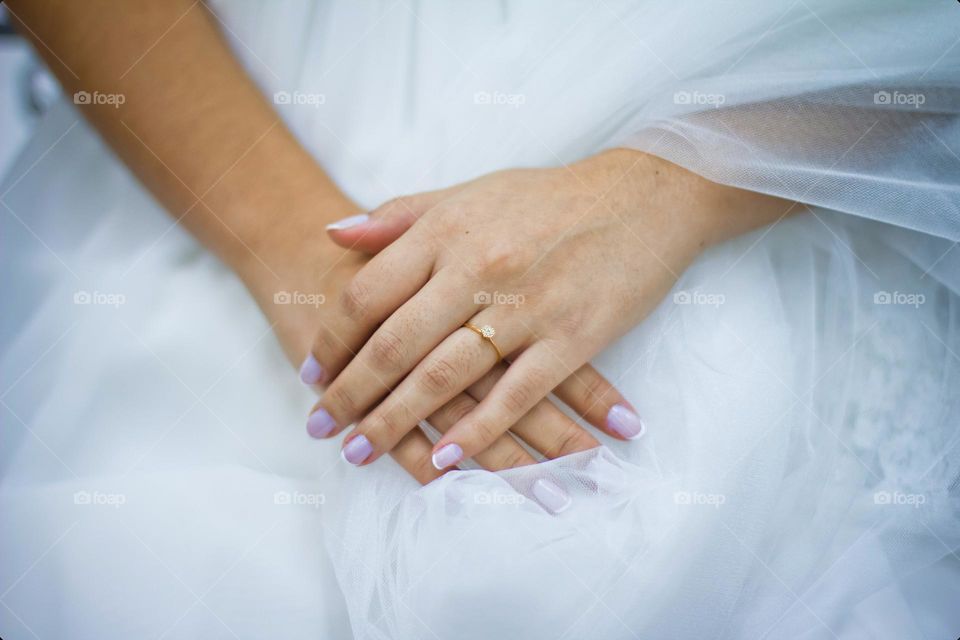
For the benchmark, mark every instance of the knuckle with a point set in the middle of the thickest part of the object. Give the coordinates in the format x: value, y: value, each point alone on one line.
x: 570, y: 324
x: 456, y: 409
x: 596, y: 392
x: 571, y: 440
x: 439, y: 377
x: 515, y: 457
x: 389, y: 426
x: 355, y: 299
x: 422, y: 469
x: 387, y: 351
x: 520, y: 396
x: 341, y: 404
x: 485, y: 432
x: 500, y: 261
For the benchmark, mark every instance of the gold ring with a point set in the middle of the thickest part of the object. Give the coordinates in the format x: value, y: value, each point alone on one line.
x: 486, y: 332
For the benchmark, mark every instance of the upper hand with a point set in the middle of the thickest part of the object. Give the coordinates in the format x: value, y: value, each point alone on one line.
x: 559, y: 262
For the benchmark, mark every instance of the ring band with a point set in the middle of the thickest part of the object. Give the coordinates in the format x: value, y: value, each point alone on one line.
x: 486, y: 332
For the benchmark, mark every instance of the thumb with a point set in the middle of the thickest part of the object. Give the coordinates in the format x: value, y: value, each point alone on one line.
x: 372, y: 232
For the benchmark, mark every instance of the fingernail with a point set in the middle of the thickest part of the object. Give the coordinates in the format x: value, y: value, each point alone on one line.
x: 625, y: 422
x: 320, y: 424
x: 310, y: 371
x: 551, y: 496
x: 447, y: 455
x: 357, y: 450
x: 346, y: 223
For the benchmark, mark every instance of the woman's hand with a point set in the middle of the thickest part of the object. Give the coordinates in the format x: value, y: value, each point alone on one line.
x: 559, y: 262
x: 303, y: 291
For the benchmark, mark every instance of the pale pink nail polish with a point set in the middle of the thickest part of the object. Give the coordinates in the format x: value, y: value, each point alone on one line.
x: 447, y: 455
x: 357, y: 450
x: 346, y: 223
x: 320, y: 424
x: 311, y: 371
x: 625, y: 422
x: 551, y: 496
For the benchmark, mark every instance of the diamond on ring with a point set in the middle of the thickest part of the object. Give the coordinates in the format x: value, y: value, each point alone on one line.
x: 487, y: 331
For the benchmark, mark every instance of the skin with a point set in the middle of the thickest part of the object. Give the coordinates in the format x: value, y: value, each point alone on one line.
x: 208, y: 145
x: 591, y: 248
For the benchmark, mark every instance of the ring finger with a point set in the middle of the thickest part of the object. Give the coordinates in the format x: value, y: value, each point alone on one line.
x: 454, y: 365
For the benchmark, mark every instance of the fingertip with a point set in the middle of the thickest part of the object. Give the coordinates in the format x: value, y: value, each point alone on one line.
x: 350, y: 222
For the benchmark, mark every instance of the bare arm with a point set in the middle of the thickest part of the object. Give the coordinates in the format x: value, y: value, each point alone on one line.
x: 192, y: 126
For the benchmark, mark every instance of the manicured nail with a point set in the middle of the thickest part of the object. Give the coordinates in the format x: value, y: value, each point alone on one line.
x: 320, y: 424
x: 310, y: 371
x: 447, y: 455
x: 346, y: 223
x: 625, y: 422
x: 551, y: 496
x: 357, y: 450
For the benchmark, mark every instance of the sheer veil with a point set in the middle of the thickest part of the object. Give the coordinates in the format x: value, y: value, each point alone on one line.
x: 800, y: 477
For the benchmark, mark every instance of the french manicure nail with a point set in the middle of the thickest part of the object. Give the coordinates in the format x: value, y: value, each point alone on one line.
x: 357, y: 450
x: 346, y: 223
x: 320, y: 424
x: 447, y: 455
x: 310, y: 371
x: 551, y: 496
x: 625, y: 422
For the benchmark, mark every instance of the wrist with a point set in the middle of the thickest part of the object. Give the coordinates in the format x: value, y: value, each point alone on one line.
x: 688, y: 212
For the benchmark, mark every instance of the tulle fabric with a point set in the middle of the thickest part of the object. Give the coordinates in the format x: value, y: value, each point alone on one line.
x: 799, y: 476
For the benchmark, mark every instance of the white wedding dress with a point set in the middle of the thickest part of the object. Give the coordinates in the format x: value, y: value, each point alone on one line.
x: 801, y: 473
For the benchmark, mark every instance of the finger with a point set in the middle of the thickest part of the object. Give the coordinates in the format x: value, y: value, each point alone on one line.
x: 455, y: 364
x: 527, y: 381
x: 396, y: 347
x: 388, y: 280
x: 413, y: 454
x: 545, y: 427
x: 504, y: 453
x: 372, y: 232
x: 590, y: 395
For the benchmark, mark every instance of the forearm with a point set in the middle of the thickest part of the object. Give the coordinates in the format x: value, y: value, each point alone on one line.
x: 192, y: 126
